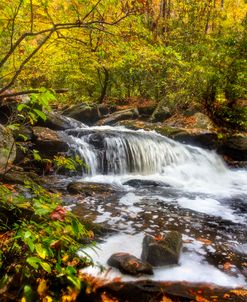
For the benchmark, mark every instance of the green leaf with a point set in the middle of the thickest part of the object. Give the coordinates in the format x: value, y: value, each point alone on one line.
x: 24, y: 137
x: 30, y: 244
x: 41, y: 251
x: 70, y: 270
x: 75, y: 227
x: 20, y: 107
x: 13, y: 126
x: 28, y: 293
x: 75, y: 281
x: 41, y: 114
x: 27, y: 234
x: 46, y: 266
x: 58, y: 267
x: 34, y: 262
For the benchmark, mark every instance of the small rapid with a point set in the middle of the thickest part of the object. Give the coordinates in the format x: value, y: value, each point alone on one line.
x: 118, y: 151
x: 164, y: 185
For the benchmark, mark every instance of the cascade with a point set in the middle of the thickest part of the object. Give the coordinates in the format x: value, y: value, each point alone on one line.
x: 118, y: 151
x: 194, y: 193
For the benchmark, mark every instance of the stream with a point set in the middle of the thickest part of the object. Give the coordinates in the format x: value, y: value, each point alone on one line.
x: 162, y: 185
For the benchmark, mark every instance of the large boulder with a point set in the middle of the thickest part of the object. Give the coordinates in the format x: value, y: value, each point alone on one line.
x: 129, y: 264
x: 7, y: 147
x: 48, y: 142
x: 56, y: 121
x: 85, y: 113
x: 20, y: 177
x: 161, y: 251
x: 235, y: 146
x: 197, y: 137
x: 161, y: 113
x: 121, y: 115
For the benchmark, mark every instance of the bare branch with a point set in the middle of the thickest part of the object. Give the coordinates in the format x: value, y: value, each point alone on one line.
x: 24, y: 63
x: 91, y: 10
x: 31, y: 91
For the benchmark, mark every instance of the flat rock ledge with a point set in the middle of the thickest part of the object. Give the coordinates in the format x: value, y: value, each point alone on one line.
x: 158, y: 291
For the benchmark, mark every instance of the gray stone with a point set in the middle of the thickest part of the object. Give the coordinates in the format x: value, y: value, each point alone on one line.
x: 235, y: 146
x: 161, y: 113
x: 128, y: 264
x: 56, y: 121
x: 48, y: 142
x: 85, y: 113
x: 120, y: 116
x: 162, y: 252
x: 137, y: 183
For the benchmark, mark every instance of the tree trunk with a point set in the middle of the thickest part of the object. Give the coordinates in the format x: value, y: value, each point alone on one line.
x: 105, y: 85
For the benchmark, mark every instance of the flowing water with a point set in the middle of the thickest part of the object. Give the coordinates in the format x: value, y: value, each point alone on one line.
x: 163, y: 185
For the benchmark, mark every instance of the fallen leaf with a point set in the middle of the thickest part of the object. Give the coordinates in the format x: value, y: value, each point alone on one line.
x: 227, y: 266
x: 106, y: 298
x: 165, y: 299
x: 159, y: 237
x: 239, y: 292
x: 204, y: 240
x: 201, y: 299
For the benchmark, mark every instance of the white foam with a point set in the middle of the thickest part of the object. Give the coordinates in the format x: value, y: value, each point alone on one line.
x: 192, y: 266
x: 209, y: 206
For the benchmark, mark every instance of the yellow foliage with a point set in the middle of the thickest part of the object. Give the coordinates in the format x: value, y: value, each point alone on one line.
x: 42, y: 287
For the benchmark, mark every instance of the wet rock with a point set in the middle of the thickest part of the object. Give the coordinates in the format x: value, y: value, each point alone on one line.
x: 20, y: 177
x: 235, y: 146
x: 157, y: 291
x: 56, y: 121
x: 202, y: 121
x: 48, y: 142
x: 137, y: 183
x: 119, y: 116
x: 90, y: 188
x: 97, y: 140
x: 162, y: 252
x: 8, y: 111
x: 161, y: 113
x: 85, y: 113
x: 24, y: 133
x: 7, y: 147
x: 197, y: 137
x: 146, y: 109
x: 130, y: 265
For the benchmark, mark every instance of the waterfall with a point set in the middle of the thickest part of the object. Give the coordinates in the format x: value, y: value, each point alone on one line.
x: 119, y: 151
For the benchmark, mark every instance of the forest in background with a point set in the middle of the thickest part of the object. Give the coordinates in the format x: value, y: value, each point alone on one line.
x: 172, y: 52
x: 176, y: 54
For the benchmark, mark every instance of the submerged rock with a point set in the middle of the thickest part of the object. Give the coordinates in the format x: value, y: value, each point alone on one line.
x: 90, y: 188
x: 162, y: 252
x: 129, y: 264
x: 137, y: 183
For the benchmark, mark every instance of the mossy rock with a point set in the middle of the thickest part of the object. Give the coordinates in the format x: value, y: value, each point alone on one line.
x: 162, y: 252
